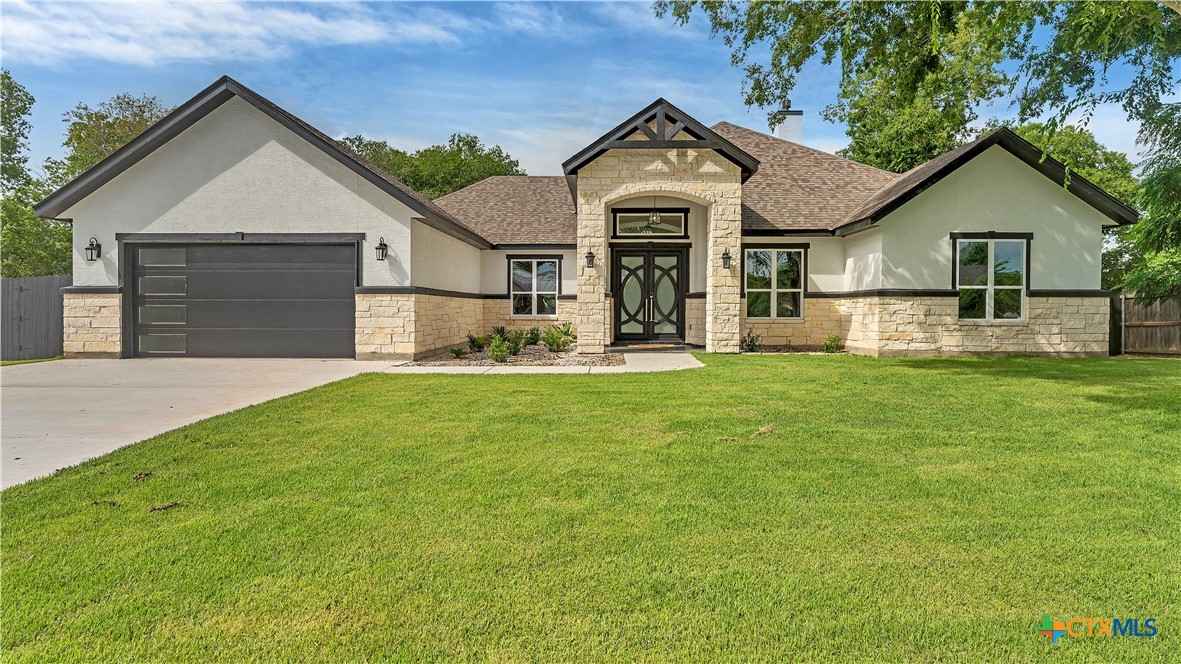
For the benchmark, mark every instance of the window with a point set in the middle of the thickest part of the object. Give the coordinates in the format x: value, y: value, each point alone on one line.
x: 774, y: 283
x: 668, y: 223
x: 990, y: 275
x: 534, y: 286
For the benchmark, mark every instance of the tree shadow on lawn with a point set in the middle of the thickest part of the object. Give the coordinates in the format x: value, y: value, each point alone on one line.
x: 1122, y: 383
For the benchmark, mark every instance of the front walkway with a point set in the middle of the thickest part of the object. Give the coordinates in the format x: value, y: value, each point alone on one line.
x: 61, y: 413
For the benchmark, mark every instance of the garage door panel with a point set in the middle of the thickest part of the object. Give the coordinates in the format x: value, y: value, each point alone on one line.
x: 245, y: 300
x: 270, y: 285
x: 270, y: 343
x: 262, y: 314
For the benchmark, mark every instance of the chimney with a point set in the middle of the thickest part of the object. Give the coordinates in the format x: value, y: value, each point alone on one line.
x: 791, y: 127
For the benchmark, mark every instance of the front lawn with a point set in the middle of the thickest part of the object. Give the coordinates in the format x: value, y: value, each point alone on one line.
x: 762, y: 508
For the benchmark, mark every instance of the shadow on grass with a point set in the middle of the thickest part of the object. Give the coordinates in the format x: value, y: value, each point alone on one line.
x: 1127, y: 384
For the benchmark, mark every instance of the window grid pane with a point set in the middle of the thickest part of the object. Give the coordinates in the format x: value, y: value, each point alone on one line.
x: 990, y: 275
x: 534, y: 285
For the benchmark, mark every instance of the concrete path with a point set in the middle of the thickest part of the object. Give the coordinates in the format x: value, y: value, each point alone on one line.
x: 61, y: 413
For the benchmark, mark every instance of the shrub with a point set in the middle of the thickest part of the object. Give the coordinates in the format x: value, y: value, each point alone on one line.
x: 751, y: 343
x: 557, y: 338
x: 459, y: 353
x: 515, y: 339
x: 832, y: 343
x: 498, y: 331
x: 533, y: 337
x: 498, y: 349
x: 476, y: 344
x: 567, y: 331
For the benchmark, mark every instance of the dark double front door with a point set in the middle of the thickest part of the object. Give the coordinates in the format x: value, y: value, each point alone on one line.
x: 649, y: 289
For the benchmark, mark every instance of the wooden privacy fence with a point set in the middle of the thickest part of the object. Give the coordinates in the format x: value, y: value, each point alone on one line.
x: 1154, y: 329
x: 31, y: 328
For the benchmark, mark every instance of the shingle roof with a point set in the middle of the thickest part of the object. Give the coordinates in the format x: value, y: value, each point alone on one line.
x: 797, y: 187
x: 516, y: 209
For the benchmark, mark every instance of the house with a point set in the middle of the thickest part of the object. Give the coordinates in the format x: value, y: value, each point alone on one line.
x: 232, y: 228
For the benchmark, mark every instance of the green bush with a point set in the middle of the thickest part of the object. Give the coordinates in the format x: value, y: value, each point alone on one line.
x: 557, y: 338
x: 533, y: 337
x: 498, y: 331
x: 832, y: 343
x: 498, y: 349
x: 515, y: 339
x: 476, y: 344
x: 751, y: 343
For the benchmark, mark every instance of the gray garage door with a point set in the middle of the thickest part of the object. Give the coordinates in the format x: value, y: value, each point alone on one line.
x: 244, y: 300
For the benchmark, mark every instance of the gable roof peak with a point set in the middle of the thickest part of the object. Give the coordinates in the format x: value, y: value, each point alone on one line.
x: 204, y: 103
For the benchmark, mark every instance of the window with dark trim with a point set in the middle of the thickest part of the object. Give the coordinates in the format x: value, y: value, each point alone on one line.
x: 774, y: 283
x: 534, y: 285
x: 991, y: 277
x: 648, y: 222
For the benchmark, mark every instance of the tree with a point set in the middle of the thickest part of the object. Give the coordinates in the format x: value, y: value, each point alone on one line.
x: 92, y: 134
x: 909, y: 68
x: 439, y: 169
x: 29, y: 246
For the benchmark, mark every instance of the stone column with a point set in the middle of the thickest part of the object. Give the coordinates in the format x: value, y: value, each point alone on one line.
x: 723, y: 299
x: 591, y: 316
x: 92, y: 325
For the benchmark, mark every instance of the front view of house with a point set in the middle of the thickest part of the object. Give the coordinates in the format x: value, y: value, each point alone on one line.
x: 234, y: 229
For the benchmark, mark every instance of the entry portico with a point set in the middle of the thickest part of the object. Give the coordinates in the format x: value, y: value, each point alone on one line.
x: 664, y: 156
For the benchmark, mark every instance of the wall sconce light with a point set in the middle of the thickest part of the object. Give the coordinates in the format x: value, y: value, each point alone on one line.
x: 590, y: 258
x: 383, y: 249
x: 726, y: 258
x: 94, y: 250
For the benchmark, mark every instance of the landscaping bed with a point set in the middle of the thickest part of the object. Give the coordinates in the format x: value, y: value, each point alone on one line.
x: 532, y: 356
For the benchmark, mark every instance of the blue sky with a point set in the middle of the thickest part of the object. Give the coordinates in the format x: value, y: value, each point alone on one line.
x: 541, y: 80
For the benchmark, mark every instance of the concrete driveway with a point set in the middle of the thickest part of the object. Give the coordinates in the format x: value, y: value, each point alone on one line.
x: 61, y: 413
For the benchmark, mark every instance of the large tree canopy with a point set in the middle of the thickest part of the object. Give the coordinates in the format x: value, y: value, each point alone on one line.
x: 439, y: 169
x: 92, y: 134
x: 913, y: 75
x: 29, y: 247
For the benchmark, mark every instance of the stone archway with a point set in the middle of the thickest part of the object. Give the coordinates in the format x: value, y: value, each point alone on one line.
x: 700, y: 176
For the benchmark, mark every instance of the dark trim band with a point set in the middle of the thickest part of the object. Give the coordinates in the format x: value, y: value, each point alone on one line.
x: 93, y: 290
x: 535, y: 247
x: 243, y: 238
x: 991, y: 235
x: 1069, y: 292
x: 886, y: 292
x: 422, y: 290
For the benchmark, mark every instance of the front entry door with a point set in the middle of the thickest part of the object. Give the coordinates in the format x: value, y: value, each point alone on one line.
x: 649, y: 289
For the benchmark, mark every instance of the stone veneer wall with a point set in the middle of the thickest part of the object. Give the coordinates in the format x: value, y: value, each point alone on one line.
x: 385, y: 326
x: 92, y: 325
x: 1052, y: 326
x: 822, y: 316
x: 406, y: 326
x: 695, y: 321
x: 497, y: 312
x: 883, y: 326
x: 701, y: 176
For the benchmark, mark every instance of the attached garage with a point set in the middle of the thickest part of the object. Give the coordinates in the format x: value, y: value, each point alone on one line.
x: 241, y: 299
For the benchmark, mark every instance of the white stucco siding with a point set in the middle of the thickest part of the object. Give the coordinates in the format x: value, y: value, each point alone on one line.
x: 494, y: 269
x: 443, y: 262
x: 993, y: 192
x: 826, y: 259
x: 238, y: 170
x: 863, y: 260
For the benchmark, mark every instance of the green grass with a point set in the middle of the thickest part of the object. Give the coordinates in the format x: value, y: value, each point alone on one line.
x: 762, y: 508
x: 9, y: 363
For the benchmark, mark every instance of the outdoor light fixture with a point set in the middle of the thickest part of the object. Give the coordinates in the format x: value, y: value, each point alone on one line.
x: 590, y: 258
x: 94, y: 250
x: 382, y: 249
x: 653, y: 218
x: 726, y: 258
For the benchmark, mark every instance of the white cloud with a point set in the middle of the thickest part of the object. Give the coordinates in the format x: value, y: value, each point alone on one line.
x: 153, y: 33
